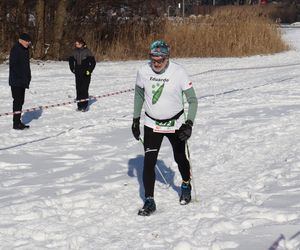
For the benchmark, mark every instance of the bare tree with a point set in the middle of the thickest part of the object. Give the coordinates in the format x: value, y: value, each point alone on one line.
x: 2, y: 23
x: 21, y: 16
x: 58, y: 28
x: 40, y: 29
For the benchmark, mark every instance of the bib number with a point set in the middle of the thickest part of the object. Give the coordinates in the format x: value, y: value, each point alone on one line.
x: 165, y: 127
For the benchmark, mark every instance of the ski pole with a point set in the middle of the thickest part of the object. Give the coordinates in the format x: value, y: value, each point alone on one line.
x: 187, y: 152
x: 191, y: 170
x: 276, y: 243
x: 141, y: 140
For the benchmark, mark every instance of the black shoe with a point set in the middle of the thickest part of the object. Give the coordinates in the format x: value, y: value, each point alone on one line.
x: 82, y: 109
x: 20, y: 126
x: 148, y: 208
x: 185, y: 197
x: 85, y: 109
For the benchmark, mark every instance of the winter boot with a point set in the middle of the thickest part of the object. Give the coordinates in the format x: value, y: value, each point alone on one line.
x: 185, y: 196
x: 148, y: 208
x: 85, y: 109
x: 20, y: 126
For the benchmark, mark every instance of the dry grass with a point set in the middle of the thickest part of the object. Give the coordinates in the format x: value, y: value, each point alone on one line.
x: 2, y: 57
x: 227, y: 32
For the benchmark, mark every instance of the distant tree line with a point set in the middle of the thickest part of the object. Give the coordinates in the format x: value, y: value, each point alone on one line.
x: 54, y: 24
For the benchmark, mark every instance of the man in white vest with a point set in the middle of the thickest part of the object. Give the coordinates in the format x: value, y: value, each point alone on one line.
x: 160, y: 86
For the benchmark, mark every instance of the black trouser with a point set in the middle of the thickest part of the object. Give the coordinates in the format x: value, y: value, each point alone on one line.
x: 18, y: 95
x: 152, y: 143
x: 82, y: 89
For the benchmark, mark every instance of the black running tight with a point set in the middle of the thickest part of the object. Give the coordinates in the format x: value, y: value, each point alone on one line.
x: 152, y: 143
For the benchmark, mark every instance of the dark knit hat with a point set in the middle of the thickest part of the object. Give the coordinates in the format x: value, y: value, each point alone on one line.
x: 25, y: 37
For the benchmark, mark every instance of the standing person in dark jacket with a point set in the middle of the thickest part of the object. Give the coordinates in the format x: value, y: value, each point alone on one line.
x: 82, y: 63
x: 19, y: 76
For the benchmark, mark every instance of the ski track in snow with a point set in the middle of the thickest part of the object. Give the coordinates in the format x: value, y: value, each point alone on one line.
x: 73, y: 180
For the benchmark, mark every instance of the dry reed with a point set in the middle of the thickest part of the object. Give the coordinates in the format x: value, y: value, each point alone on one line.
x: 227, y: 32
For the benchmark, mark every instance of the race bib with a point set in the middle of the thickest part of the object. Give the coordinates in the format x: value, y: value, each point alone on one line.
x: 165, y: 127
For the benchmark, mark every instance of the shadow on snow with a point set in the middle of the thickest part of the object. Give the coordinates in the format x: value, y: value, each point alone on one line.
x: 135, y: 169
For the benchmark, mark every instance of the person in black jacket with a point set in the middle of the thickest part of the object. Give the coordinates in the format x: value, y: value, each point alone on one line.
x: 19, y: 76
x: 82, y: 63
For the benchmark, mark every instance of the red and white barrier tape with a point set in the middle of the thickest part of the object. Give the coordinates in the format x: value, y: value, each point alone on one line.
x: 66, y: 103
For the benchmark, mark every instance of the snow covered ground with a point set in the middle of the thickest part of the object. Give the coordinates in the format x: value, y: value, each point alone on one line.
x: 73, y: 180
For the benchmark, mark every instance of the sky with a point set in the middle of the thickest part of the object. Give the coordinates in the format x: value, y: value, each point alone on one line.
x: 73, y: 180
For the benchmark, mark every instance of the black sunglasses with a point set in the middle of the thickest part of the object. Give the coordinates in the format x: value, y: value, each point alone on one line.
x: 159, y: 61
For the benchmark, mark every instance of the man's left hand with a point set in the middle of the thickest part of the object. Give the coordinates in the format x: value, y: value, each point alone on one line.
x: 185, y: 131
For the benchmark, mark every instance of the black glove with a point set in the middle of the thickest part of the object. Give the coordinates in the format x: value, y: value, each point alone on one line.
x: 135, y: 128
x: 185, y: 131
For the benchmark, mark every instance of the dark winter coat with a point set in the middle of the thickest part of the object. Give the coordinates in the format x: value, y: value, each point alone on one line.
x: 81, y: 61
x: 19, y: 66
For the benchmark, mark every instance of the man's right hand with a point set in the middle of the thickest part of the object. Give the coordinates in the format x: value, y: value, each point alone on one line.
x: 135, y: 128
